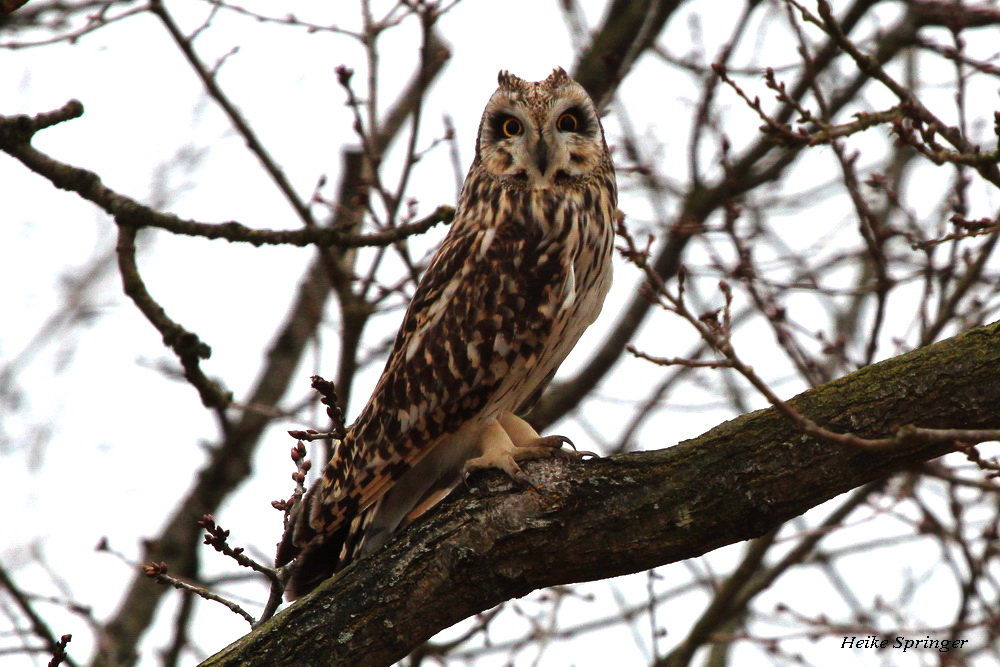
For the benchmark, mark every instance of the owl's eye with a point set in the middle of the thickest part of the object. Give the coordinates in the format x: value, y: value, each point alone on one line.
x: 511, y: 127
x: 568, y: 123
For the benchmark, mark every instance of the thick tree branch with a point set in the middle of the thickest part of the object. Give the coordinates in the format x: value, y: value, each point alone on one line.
x: 631, y: 512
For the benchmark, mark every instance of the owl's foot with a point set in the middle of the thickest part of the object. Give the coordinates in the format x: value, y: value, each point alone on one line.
x: 509, y: 440
x: 523, y: 435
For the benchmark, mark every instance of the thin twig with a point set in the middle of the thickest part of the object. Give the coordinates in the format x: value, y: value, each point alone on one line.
x: 158, y: 572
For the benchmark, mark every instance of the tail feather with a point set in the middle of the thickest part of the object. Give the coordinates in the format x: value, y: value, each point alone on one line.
x: 324, y: 555
x: 315, y: 564
x: 365, y: 529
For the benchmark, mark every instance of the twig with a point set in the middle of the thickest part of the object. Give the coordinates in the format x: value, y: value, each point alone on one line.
x: 59, y: 654
x: 16, y: 133
x: 677, y: 361
x: 985, y: 163
x: 96, y: 20
x: 208, y: 79
x: 302, y: 467
x: 328, y: 391
x: 38, y: 625
x: 188, y: 347
x: 158, y: 572
x: 217, y: 538
x: 287, y: 20
x: 969, y: 229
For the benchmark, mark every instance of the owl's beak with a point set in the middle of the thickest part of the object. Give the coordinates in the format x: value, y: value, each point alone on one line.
x: 542, y: 155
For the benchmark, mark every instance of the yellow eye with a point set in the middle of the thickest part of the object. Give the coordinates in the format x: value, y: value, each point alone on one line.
x: 567, y: 123
x: 511, y: 127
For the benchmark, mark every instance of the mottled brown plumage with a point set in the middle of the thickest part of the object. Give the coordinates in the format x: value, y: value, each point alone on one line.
x: 522, y: 273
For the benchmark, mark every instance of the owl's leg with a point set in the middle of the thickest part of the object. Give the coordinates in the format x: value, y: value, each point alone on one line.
x: 523, y: 435
x: 497, y: 451
x: 507, y: 441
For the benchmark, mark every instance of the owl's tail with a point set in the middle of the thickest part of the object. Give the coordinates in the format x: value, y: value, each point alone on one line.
x: 315, y: 564
x: 318, y: 556
x: 321, y: 556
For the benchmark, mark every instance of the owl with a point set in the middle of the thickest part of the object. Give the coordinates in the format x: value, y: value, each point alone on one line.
x: 522, y: 273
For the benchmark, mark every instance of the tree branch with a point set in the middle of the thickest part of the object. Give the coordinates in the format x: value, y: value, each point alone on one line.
x: 16, y: 133
x: 632, y: 512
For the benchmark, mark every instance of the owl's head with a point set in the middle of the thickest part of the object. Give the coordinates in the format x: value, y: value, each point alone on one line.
x: 539, y: 134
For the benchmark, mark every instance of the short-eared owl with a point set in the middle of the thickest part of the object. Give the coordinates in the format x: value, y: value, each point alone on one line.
x: 522, y: 273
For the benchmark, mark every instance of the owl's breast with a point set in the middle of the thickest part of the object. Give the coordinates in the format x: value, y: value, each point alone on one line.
x: 563, y: 278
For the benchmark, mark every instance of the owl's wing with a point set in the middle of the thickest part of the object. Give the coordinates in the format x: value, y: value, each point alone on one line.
x: 485, y: 305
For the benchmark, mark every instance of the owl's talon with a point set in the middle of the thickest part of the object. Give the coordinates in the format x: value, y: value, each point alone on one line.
x: 522, y: 479
x: 554, y: 441
x: 497, y: 460
x: 551, y: 445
